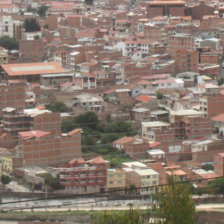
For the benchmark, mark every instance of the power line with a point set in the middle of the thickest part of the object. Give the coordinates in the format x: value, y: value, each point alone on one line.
x: 95, y: 194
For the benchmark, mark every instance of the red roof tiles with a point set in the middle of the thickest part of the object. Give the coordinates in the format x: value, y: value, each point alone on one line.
x: 143, y: 98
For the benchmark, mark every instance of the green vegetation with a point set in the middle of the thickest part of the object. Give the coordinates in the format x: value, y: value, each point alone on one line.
x: 31, y: 25
x: 97, y: 137
x: 217, y: 186
x: 9, y: 43
x: 132, y: 216
x: 42, y: 10
x: 221, y: 81
x: 30, y: 9
x: 207, y: 167
x: 5, y: 179
x: 159, y: 95
x: 36, y: 37
x: 89, y: 2
x: 57, y: 107
x: 53, y: 182
x: 174, y: 204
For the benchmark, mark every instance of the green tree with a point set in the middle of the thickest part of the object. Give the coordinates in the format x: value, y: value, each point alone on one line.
x: 36, y: 37
x: 89, y: 2
x: 31, y: 25
x: 46, y: 26
x: 88, y: 119
x: 30, y: 9
x: 9, y: 43
x: 159, y: 95
x: 58, y: 106
x: 207, y: 167
x: 174, y: 204
x: 53, y: 182
x: 42, y: 10
x: 5, y: 179
x: 217, y: 185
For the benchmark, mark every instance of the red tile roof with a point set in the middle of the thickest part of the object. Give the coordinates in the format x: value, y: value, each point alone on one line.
x: 221, y: 154
x: 124, y: 140
x: 32, y: 68
x: 78, y: 160
x: 219, y: 117
x: 154, y: 144
x: 33, y: 134
x: 98, y: 159
x: 143, y: 98
x: 75, y: 131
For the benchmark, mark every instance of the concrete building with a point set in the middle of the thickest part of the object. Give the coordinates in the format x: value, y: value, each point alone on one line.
x: 149, y: 128
x: 116, y: 179
x: 4, y: 56
x: 145, y: 179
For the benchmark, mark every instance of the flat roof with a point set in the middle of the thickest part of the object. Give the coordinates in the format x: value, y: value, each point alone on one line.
x: 145, y: 172
x: 32, y: 68
x: 57, y: 75
x: 155, y: 151
x: 167, y: 3
x: 159, y: 112
x: 155, y: 124
x: 189, y: 112
x: 140, y: 110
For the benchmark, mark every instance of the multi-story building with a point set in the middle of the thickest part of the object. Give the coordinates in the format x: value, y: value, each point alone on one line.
x: 31, y: 50
x: 82, y: 176
x: 187, y: 61
x: 4, y: 56
x: 41, y: 148
x: 115, y: 179
x: 165, y: 8
x: 10, y: 163
x: 10, y: 27
x: 219, y: 164
x: 149, y: 129
x: 211, y: 105
x: 14, y: 121
x: 12, y: 95
x: 180, y: 41
x: 145, y: 179
x: 188, y: 124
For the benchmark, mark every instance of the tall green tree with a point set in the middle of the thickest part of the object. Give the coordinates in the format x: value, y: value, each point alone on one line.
x: 87, y: 120
x: 217, y: 186
x: 9, y: 43
x: 58, y: 106
x: 42, y: 10
x: 174, y: 204
x: 31, y: 25
x: 5, y: 180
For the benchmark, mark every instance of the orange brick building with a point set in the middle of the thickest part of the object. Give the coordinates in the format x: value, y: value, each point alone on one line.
x: 12, y: 95
x: 186, y: 61
x: 166, y: 8
x: 40, y: 148
x: 219, y: 164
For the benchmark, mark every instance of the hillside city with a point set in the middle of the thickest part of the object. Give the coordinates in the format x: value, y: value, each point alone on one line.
x: 110, y: 96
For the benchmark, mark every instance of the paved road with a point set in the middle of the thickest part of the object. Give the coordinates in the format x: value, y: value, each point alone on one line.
x: 202, y: 207
x: 14, y: 186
